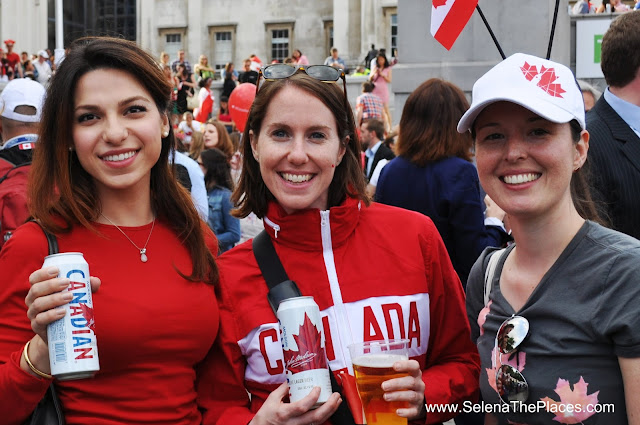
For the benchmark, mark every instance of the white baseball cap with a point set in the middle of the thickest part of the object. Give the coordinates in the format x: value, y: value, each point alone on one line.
x: 44, y: 54
x: 22, y: 92
x: 546, y: 88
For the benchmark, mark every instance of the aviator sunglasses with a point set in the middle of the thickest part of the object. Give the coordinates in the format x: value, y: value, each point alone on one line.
x: 511, y: 385
x: 324, y: 73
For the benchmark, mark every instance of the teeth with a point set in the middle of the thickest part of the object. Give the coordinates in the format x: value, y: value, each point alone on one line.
x: 120, y: 157
x: 296, y: 178
x: 521, y: 178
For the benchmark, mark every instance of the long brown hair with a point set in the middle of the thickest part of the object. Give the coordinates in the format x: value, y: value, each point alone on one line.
x: 61, y: 189
x: 428, y: 124
x: 251, y: 193
x: 224, y: 141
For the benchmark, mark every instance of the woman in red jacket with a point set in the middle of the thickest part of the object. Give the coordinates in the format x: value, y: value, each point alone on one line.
x: 376, y: 272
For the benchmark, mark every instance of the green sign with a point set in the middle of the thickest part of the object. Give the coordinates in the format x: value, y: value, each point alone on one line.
x: 597, y: 47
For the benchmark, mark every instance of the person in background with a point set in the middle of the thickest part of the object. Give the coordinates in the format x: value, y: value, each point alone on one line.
x: 229, y: 68
x: 564, y: 274
x: 637, y: 6
x: 581, y: 7
x: 203, y: 70
x: 165, y: 60
x: 186, y: 87
x: 224, y: 116
x: 205, y: 100
x: 248, y: 75
x: 299, y: 58
x: 301, y: 173
x: 229, y: 80
x: 381, y: 78
x: 433, y: 174
x: 181, y: 61
x: 13, y: 58
x: 101, y: 183
x: 43, y: 68
x: 334, y: 60
x: 20, y: 112
x: 187, y: 127
x: 173, y: 81
x: 217, y: 178
x: 372, y: 134
x: 590, y: 94
x: 614, y: 125
x: 214, y: 136
x: 368, y: 105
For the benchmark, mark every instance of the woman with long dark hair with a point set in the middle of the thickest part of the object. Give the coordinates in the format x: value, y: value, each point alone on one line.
x: 102, y: 183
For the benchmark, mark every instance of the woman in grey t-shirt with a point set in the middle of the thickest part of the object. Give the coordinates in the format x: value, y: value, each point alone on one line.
x: 559, y: 332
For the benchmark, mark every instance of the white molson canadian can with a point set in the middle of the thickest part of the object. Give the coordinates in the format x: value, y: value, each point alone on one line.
x: 73, y: 350
x: 303, y: 348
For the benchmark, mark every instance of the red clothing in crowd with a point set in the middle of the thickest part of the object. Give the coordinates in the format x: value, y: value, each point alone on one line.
x: 154, y: 329
x: 376, y: 272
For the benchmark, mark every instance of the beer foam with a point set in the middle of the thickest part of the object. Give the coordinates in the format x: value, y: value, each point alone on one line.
x: 378, y: 360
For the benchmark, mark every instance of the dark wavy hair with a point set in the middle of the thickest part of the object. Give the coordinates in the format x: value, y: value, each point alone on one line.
x: 218, y: 169
x: 61, y: 190
x: 251, y: 193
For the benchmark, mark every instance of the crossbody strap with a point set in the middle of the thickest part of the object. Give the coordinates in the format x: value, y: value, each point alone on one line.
x: 281, y: 288
x: 490, y: 272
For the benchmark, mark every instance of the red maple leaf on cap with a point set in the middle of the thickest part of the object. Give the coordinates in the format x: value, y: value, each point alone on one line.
x: 568, y: 397
x: 310, y: 354
x: 529, y: 71
x: 547, y: 82
x: 437, y: 3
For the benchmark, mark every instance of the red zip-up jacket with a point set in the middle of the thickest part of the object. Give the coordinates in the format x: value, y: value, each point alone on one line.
x: 376, y: 272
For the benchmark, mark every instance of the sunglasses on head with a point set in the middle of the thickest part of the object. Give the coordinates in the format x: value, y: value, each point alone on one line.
x: 324, y: 73
x: 511, y: 384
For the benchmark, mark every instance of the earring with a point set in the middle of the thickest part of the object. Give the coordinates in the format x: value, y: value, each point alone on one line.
x: 165, y: 133
x: 70, y: 148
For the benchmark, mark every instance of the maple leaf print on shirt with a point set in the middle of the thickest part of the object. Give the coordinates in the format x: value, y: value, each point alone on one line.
x: 310, y: 354
x: 482, y: 316
x: 577, y: 398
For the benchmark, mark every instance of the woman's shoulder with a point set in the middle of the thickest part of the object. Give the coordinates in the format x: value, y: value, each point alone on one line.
x: 27, y: 241
x: 613, y: 240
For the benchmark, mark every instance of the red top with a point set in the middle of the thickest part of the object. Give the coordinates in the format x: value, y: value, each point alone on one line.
x: 376, y: 272
x: 153, y: 328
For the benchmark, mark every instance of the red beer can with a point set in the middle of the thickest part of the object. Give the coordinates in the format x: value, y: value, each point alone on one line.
x: 303, y: 348
x: 73, y: 349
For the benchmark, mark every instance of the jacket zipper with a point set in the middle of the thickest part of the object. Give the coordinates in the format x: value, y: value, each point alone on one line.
x: 343, y: 327
x: 275, y: 227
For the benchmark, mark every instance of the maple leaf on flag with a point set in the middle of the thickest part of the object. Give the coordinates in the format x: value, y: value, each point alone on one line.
x: 576, y: 397
x: 448, y: 19
x: 310, y: 354
x: 87, y: 313
x: 529, y: 71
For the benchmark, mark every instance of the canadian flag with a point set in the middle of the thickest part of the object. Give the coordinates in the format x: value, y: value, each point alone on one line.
x: 448, y: 19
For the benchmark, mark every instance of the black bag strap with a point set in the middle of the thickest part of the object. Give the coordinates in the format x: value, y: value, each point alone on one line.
x: 49, y: 409
x: 281, y: 288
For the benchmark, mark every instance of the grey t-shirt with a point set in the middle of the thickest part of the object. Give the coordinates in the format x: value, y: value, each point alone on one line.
x: 583, y: 315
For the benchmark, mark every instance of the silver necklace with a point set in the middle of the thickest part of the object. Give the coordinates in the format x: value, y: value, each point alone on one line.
x: 143, y: 250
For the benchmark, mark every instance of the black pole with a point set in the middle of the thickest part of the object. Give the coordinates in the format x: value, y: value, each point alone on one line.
x: 495, y: 40
x: 553, y: 28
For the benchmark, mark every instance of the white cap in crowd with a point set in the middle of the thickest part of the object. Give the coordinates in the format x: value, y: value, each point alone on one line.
x: 44, y: 54
x: 22, y: 92
x: 546, y: 88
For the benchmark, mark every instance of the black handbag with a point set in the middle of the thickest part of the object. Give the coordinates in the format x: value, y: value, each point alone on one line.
x: 49, y: 409
x: 281, y: 288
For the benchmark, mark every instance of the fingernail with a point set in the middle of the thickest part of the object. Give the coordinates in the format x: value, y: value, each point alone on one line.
x: 67, y: 296
x: 53, y: 271
x: 64, y: 284
x: 385, y: 386
x: 386, y: 397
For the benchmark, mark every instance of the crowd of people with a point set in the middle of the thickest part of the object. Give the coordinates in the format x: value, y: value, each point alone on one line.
x: 500, y: 237
x: 39, y: 66
x: 605, y: 6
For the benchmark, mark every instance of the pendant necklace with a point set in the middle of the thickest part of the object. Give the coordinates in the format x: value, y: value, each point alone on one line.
x: 143, y: 250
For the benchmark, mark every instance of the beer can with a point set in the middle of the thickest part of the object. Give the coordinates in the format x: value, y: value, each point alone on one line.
x: 73, y: 349
x: 303, y: 348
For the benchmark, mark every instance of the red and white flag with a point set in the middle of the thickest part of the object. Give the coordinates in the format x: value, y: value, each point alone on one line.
x: 448, y: 19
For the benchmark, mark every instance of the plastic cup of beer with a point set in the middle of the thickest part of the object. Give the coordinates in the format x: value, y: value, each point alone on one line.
x: 373, y: 364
